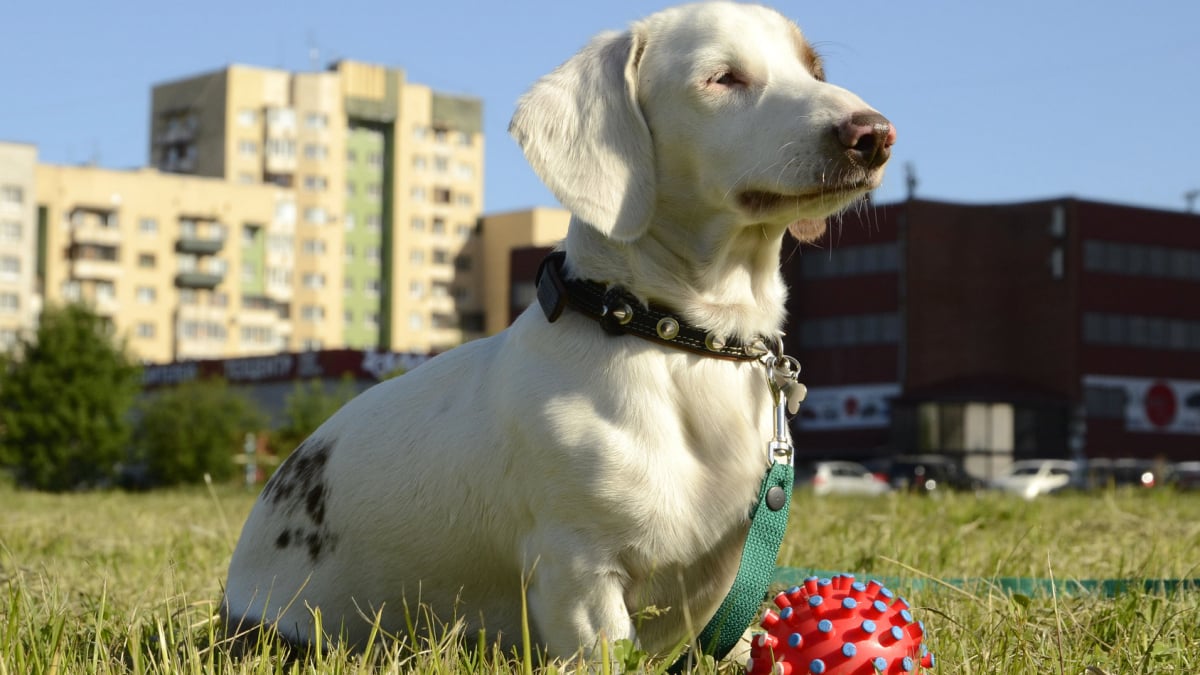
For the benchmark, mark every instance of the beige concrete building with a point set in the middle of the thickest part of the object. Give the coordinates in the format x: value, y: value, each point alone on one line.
x: 388, y: 184
x: 19, y: 301
x: 184, y: 267
x: 501, y: 234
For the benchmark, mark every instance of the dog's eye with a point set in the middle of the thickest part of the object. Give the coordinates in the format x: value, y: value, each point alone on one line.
x: 727, y: 79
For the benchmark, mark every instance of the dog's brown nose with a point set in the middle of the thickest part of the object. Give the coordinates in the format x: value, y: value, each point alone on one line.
x: 867, y: 137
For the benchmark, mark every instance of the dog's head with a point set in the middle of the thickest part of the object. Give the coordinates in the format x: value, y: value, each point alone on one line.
x: 701, y: 109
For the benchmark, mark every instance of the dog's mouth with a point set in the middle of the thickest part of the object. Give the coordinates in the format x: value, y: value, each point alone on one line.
x: 825, y: 198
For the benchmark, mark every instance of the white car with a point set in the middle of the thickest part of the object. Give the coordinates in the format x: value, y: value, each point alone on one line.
x: 841, y: 478
x: 1032, y: 477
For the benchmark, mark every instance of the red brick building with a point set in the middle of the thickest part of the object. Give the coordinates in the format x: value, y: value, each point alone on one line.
x: 1046, y: 329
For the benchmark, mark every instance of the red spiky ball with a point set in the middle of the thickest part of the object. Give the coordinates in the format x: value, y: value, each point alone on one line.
x: 839, y: 626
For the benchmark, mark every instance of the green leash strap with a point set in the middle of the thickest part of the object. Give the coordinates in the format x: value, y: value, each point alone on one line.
x: 756, y: 571
x: 1030, y: 587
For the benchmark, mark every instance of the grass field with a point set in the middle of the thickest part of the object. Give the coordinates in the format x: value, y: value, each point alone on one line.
x: 116, y: 583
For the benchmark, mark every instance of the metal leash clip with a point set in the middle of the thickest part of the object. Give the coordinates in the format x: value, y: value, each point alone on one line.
x: 783, y: 372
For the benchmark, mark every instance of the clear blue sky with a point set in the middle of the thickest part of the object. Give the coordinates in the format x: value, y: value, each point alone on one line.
x: 994, y: 101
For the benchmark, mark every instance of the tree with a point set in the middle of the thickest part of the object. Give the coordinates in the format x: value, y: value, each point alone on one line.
x: 194, y: 429
x: 308, y: 405
x: 65, y: 398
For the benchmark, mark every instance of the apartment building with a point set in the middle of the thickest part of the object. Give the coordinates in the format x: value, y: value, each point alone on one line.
x: 19, y: 302
x: 183, y: 267
x: 388, y: 184
x: 504, y: 235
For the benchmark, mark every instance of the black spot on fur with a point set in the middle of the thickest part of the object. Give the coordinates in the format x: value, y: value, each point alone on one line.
x: 315, y: 503
x: 314, y: 542
x: 298, y: 490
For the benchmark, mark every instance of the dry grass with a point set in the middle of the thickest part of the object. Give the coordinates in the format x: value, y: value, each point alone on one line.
x: 115, y: 583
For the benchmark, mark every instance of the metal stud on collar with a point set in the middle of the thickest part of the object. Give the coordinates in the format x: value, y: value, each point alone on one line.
x: 668, y: 328
x: 714, y: 342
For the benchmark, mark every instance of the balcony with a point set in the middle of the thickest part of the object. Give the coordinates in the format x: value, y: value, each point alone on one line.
x: 199, y: 245
x: 85, y: 268
x: 196, y: 279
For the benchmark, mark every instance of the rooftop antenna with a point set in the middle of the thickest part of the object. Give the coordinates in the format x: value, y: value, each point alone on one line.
x: 314, y: 53
x: 910, y: 179
x: 1189, y: 198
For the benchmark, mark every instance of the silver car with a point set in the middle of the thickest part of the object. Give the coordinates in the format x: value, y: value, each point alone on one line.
x: 840, y: 478
x: 1030, y: 478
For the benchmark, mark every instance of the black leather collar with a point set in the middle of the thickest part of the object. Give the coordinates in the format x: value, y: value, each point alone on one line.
x: 618, y: 313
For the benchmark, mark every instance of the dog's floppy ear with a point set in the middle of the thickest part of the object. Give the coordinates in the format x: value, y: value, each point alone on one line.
x: 582, y: 130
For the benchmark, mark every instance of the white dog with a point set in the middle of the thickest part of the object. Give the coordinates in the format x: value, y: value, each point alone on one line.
x: 600, y: 474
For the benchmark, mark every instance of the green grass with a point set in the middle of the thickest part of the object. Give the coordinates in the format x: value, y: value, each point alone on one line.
x: 116, y: 583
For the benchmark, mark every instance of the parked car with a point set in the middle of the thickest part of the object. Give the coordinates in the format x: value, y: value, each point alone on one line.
x: 841, y: 478
x: 927, y: 474
x: 1033, y: 477
x: 1184, y: 476
x: 1105, y: 473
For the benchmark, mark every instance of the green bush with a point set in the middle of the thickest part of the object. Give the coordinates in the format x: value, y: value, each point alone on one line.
x: 65, y: 397
x: 307, y: 407
x: 194, y: 429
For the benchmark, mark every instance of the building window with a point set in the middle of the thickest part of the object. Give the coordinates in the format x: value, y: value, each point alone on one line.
x: 311, y: 345
x: 247, y: 117
x: 247, y: 148
x: 373, y: 255
x: 315, y: 183
x: 10, y: 230
x: 10, y: 303
x: 418, y: 194
x: 313, y: 247
x: 439, y: 226
x: 440, y: 256
x: 464, y: 139
x: 462, y: 263
x: 350, y: 251
x: 416, y: 257
x: 10, y: 267
x: 145, y: 330
x: 315, y: 151
x: 314, y: 280
x: 374, y: 222
x: 375, y: 191
x: 416, y: 290
x: 12, y: 195
x: 148, y: 226
x: 415, y: 322
x: 441, y: 164
x: 312, y: 313
x: 351, y: 156
x: 373, y: 287
x: 1148, y: 332
x: 419, y: 133
x: 281, y: 147
x: 441, y: 196
x: 146, y: 295
x: 315, y: 215
x: 375, y: 159
x: 464, y: 199
x: 316, y: 120
x: 249, y: 272
x: 419, y: 163
x: 418, y: 225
